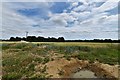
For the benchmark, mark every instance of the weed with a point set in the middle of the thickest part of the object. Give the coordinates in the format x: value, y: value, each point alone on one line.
x: 31, y: 67
x: 46, y: 59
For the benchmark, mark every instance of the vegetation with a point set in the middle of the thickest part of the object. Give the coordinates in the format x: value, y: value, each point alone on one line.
x: 20, y: 59
x: 60, y: 39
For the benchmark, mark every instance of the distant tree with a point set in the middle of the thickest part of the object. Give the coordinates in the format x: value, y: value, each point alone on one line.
x: 107, y: 40
x: 31, y: 38
x: 23, y: 38
x: 17, y: 39
x: 52, y: 39
x: 12, y: 39
x: 40, y: 39
x: 61, y: 39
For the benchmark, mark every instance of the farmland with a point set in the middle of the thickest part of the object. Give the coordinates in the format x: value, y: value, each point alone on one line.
x: 56, y: 59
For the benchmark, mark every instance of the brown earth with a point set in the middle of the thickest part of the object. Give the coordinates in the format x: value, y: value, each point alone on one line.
x: 62, y: 68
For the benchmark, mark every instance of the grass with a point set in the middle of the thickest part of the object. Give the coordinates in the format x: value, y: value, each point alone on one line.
x: 19, y: 59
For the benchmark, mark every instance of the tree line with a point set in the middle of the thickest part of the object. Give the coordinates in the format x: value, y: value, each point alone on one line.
x: 38, y: 39
x: 52, y: 39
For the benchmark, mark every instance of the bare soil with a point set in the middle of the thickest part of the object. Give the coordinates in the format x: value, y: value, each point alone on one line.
x: 62, y: 68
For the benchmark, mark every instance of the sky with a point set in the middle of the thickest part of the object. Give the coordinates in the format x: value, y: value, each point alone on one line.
x: 83, y: 19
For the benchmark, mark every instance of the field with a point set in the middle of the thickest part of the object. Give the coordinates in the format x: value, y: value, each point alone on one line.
x: 56, y: 59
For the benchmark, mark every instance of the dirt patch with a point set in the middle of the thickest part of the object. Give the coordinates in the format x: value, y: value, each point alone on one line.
x: 54, y: 67
x: 105, y: 70
x: 74, y: 66
x: 62, y: 68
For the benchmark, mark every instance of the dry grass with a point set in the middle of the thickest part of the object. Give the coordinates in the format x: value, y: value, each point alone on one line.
x: 20, y: 58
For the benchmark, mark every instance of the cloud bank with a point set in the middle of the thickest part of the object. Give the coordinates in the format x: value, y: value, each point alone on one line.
x: 81, y: 19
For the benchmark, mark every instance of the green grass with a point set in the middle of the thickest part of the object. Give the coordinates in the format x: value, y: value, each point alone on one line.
x: 19, y: 59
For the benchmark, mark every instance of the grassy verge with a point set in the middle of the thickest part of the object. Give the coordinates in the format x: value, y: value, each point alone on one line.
x: 19, y: 59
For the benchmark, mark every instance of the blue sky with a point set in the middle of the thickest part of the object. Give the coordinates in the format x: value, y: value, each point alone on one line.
x: 72, y: 20
x: 59, y: 7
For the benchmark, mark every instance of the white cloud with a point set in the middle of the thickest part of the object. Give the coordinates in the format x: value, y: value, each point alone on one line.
x: 58, y: 21
x: 57, y: 0
x: 81, y: 8
x: 74, y: 4
x: 91, y: 23
x: 80, y: 16
x: 105, y: 7
x: 27, y: 5
x: 67, y: 17
x: 61, y: 19
x: 14, y: 24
